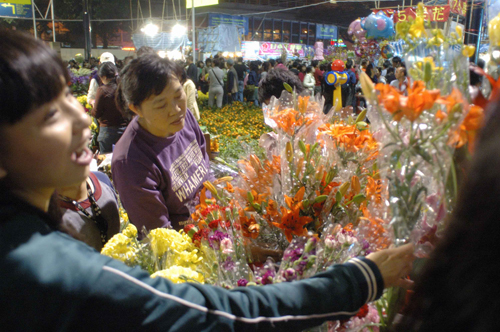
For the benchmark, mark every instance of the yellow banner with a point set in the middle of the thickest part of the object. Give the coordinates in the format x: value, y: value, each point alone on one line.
x: 200, y: 3
x: 19, y: 2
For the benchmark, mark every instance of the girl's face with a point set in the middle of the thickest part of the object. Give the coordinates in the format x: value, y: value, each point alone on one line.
x: 303, y: 69
x: 47, y: 149
x: 163, y: 115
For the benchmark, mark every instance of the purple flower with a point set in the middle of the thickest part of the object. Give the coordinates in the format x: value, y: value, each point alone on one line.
x: 293, y: 254
x: 215, y: 239
x: 365, y: 245
x: 242, y: 283
x: 267, y: 278
x: 229, y: 264
x: 289, y: 274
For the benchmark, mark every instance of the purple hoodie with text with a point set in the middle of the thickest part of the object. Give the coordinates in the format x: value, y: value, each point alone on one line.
x: 156, y: 176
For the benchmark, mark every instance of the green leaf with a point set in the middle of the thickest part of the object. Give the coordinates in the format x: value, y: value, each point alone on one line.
x: 288, y: 87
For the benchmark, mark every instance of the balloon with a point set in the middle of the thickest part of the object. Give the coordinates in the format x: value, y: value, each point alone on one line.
x: 338, y: 65
x: 387, y: 51
x: 378, y: 25
x: 494, y: 31
x: 355, y: 30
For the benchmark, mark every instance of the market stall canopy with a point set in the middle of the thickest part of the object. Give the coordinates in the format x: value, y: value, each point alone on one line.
x: 160, y: 42
x: 222, y: 38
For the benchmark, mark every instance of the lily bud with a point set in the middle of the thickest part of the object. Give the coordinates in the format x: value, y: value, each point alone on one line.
x: 289, y: 151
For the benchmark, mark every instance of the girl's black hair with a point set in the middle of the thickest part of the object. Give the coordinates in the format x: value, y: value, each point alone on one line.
x: 142, y: 77
x: 273, y: 85
x: 309, y: 69
x: 458, y: 290
x: 265, y: 66
x: 108, y: 70
x: 31, y: 75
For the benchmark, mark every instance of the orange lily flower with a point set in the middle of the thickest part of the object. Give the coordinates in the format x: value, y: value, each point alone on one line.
x: 418, y: 100
x: 389, y: 97
x: 292, y: 223
x: 257, y: 199
x: 287, y: 120
x: 355, y: 185
x: 467, y: 130
x: 249, y: 227
x: 374, y: 190
x: 303, y: 100
x: 374, y: 231
x: 299, y: 196
x: 229, y: 187
x: 272, y: 212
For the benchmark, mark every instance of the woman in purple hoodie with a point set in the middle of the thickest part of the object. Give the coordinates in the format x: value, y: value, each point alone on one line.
x: 160, y: 162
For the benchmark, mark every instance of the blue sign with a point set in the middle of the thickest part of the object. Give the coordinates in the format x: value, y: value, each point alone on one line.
x: 15, y: 10
x: 216, y: 19
x: 324, y: 31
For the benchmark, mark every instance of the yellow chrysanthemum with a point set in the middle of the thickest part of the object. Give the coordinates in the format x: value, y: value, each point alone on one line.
x: 163, y: 239
x: 175, y: 273
x: 120, y: 247
x: 130, y: 231
x: 188, y: 258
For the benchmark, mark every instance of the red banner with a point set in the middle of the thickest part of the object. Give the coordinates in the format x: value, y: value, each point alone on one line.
x: 431, y: 13
x: 459, y: 7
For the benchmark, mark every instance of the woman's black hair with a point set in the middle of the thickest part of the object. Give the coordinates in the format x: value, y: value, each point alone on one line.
x: 184, y: 77
x: 458, y: 289
x: 254, y: 66
x: 108, y: 70
x: 31, y: 75
x: 221, y: 63
x: 142, y: 77
x: 309, y: 69
x: 272, y: 85
x: 265, y: 66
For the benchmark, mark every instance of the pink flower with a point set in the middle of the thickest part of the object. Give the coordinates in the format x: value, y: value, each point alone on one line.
x: 226, y: 245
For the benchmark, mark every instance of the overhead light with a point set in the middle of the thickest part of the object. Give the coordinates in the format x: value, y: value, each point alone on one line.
x: 150, y: 29
x: 162, y: 54
x: 178, y: 30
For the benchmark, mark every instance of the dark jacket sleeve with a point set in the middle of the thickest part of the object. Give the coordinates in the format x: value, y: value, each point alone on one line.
x: 230, y: 81
x: 98, y: 110
x: 50, y: 281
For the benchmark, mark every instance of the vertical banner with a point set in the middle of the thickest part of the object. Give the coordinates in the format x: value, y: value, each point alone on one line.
x: 458, y: 7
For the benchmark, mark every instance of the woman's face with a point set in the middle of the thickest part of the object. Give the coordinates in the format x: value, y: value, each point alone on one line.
x: 47, y: 149
x: 163, y: 115
x: 303, y: 69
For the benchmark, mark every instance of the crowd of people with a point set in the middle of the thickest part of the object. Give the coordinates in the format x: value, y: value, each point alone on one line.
x: 52, y: 281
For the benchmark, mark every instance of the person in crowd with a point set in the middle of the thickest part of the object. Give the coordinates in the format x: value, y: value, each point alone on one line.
x: 200, y: 64
x: 476, y: 82
x: 232, y: 82
x: 216, y: 84
x: 349, y: 88
x: 191, y: 94
x: 72, y: 64
x: 396, y: 62
x: 145, y: 50
x: 273, y: 84
x: 160, y: 163
x: 371, y: 71
x: 364, y: 65
x: 241, y: 69
x: 318, y: 76
x: 127, y: 60
x: 112, y: 124
x: 280, y: 65
x: 95, y: 81
x: 386, y: 65
x: 204, y: 86
x: 380, y: 78
x: 390, y: 75
x: 457, y: 289
x: 309, y: 80
x: 51, y: 281
x: 272, y: 63
x: 192, y: 70
x: 401, y: 82
x: 302, y: 73
x: 295, y: 68
x: 265, y: 68
x: 253, y: 83
x: 89, y: 210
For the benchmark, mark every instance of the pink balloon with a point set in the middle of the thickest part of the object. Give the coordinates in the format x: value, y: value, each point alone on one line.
x: 381, y: 24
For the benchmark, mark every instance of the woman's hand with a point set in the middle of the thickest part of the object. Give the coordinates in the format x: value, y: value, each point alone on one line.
x: 394, y: 264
